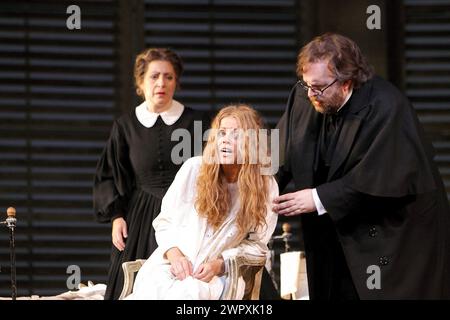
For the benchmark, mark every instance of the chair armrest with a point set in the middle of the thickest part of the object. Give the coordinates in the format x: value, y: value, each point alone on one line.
x: 250, y: 268
x: 129, y: 269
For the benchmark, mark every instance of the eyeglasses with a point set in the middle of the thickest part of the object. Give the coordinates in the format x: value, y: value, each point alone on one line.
x: 317, y: 92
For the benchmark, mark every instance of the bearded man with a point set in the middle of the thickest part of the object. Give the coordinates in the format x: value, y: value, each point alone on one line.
x: 374, y: 212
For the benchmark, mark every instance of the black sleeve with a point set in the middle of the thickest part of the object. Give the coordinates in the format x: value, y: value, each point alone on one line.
x: 113, y: 177
x: 340, y: 200
x: 284, y: 175
x: 283, y: 178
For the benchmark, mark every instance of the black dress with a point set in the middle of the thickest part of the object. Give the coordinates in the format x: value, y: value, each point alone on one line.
x: 132, y: 176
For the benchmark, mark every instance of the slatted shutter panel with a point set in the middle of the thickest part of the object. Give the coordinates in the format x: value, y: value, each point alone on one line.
x: 57, y: 100
x: 427, y: 72
x: 234, y: 51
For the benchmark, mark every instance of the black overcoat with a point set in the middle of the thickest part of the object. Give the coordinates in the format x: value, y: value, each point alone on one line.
x: 383, y: 194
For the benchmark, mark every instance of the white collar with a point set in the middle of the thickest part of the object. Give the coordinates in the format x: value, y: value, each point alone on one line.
x: 346, y: 99
x: 148, y: 118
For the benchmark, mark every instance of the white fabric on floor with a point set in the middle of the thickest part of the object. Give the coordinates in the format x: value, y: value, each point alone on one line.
x: 89, y: 292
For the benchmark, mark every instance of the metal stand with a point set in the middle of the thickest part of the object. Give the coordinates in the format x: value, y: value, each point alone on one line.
x: 272, y: 263
x: 12, y: 249
x: 10, y: 222
x: 285, y: 237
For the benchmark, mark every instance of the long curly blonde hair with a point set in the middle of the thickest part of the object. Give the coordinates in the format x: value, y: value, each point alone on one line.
x: 213, y: 199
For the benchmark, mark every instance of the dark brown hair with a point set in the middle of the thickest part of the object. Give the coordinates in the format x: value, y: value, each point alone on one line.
x: 155, y: 54
x: 345, y: 59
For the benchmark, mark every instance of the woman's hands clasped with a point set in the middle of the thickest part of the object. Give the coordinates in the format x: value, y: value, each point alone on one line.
x: 181, y: 267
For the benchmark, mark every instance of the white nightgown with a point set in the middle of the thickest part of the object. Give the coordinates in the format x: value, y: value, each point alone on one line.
x: 179, y: 225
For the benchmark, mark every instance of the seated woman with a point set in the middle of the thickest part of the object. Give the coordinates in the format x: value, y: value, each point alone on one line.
x: 219, y: 205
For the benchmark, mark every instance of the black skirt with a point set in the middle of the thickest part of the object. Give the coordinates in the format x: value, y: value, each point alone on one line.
x: 141, y: 242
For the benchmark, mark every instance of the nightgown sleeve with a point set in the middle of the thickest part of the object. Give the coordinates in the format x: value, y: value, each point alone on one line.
x: 176, y: 206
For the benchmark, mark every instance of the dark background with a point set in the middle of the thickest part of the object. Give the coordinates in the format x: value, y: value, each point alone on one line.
x: 60, y: 90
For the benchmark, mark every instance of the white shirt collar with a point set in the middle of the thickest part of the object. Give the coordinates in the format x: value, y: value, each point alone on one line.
x: 346, y: 99
x: 148, y: 118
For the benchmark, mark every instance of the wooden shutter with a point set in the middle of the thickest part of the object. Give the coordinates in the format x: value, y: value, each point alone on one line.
x: 427, y: 72
x: 57, y: 100
x: 234, y: 51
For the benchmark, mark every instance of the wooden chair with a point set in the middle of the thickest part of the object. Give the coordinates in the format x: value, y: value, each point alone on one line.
x: 129, y: 269
x: 248, y: 267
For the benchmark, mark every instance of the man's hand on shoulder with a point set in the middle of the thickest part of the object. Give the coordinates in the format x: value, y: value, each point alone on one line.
x: 294, y: 203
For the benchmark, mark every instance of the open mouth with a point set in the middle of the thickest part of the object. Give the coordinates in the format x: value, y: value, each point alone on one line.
x: 226, y: 150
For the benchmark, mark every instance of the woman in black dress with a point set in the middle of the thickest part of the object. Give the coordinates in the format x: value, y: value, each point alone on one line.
x: 139, y: 161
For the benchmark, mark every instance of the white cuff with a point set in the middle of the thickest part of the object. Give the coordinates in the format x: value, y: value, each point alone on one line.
x: 319, y: 206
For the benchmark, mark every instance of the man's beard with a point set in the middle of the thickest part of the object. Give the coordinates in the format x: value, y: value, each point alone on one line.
x: 329, y: 105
